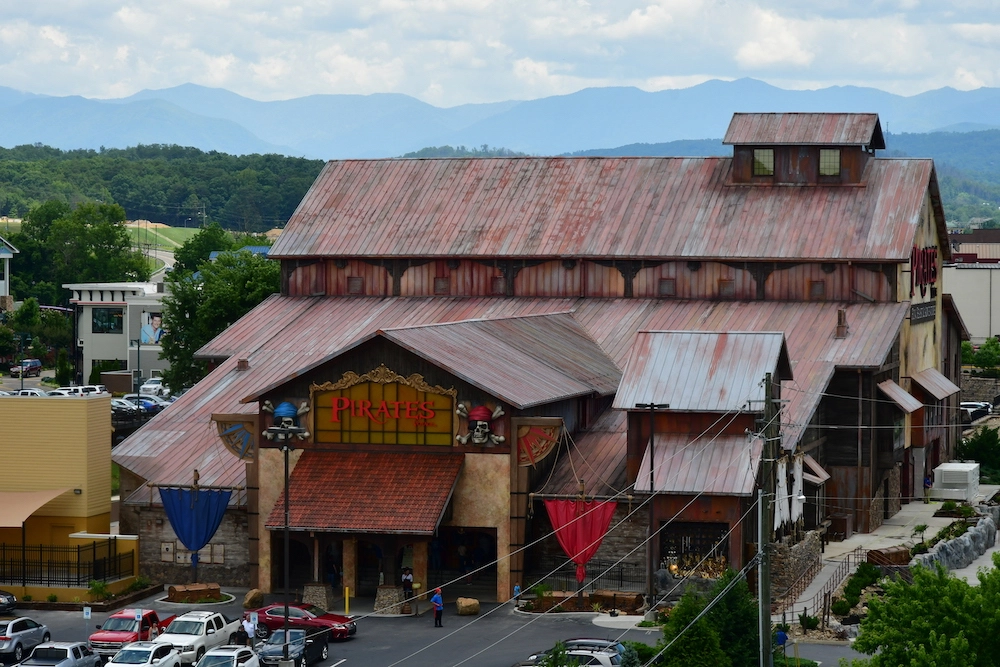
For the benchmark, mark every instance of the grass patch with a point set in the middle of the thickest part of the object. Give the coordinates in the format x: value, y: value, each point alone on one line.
x: 178, y: 234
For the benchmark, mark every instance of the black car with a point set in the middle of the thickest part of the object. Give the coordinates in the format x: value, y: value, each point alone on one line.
x: 7, y: 602
x: 303, y: 649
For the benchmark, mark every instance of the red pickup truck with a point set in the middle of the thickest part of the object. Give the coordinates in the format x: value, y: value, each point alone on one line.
x: 122, y: 628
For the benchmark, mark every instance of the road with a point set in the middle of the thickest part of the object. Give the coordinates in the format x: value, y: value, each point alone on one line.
x: 497, y: 639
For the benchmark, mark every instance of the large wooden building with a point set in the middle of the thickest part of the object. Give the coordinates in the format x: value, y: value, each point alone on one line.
x: 443, y: 325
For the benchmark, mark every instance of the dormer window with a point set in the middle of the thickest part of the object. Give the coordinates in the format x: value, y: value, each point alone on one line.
x: 763, y: 162
x: 829, y: 162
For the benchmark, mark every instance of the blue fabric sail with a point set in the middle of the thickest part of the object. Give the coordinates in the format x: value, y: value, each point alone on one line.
x: 194, y: 515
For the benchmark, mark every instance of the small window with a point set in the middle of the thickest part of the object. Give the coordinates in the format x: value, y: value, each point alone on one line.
x: 355, y: 285
x: 108, y: 320
x: 727, y: 288
x: 829, y: 162
x: 498, y: 286
x: 668, y: 287
x: 817, y: 290
x: 763, y: 162
x: 442, y: 285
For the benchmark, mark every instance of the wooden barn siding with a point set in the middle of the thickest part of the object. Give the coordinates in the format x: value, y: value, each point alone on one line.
x: 553, y: 279
x: 378, y: 281
x: 792, y: 284
x: 702, y: 283
x: 798, y: 164
x: 308, y: 280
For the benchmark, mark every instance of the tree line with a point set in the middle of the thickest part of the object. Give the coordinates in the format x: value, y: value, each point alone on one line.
x: 175, y: 185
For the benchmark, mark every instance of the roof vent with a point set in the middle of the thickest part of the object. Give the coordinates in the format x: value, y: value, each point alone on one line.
x: 842, y: 327
x: 242, y: 364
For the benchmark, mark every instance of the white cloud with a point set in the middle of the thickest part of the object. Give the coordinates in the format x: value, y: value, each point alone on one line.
x: 454, y: 51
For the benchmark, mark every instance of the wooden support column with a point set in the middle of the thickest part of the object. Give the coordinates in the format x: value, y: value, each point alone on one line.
x: 350, y: 556
x: 420, y: 566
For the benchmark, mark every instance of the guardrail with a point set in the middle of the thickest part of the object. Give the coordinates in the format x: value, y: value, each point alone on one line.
x: 819, y: 602
x: 791, y: 594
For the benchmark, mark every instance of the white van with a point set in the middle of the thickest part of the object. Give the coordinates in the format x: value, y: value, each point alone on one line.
x: 84, y: 390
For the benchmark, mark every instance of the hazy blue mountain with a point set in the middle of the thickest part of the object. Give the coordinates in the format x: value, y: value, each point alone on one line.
x: 386, y: 125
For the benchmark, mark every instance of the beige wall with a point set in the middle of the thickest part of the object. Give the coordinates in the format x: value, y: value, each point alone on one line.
x: 976, y: 290
x: 271, y: 471
x: 482, y: 500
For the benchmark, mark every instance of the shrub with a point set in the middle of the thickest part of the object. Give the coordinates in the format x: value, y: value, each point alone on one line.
x: 841, y: 607
x: 645, y: 651
x: 853, y: 588
x: 967, y: 510
x: 949, y: 506
x: 540, y: 589
x: 868, y: 574
x: 918, y: 549
x: 851, y: 599
x: 52, y: 597
x: 808, y: 622
x: 99, y: 590
x: 26, y: 598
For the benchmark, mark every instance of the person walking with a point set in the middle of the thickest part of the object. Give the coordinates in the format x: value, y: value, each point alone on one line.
x: 438, y: 603
x: 250, y: 629
x: 928, y: 484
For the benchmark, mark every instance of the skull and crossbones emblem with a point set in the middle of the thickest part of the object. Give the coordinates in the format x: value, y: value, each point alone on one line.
x: 479, y: 422
x: 286, y: 415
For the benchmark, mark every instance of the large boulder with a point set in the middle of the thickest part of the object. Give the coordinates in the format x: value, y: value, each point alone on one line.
x: 467, y: 606
x: 253, y: 599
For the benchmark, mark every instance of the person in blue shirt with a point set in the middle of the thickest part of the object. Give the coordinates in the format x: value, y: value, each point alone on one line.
x: 438, y: 603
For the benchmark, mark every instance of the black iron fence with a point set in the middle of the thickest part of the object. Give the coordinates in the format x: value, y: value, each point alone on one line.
x: 601, y: 575
x: 66, y: 567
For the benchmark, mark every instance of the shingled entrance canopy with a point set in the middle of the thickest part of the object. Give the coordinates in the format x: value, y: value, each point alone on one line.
x: 368, y: 492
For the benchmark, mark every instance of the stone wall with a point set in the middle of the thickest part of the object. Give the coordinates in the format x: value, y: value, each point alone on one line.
x: 789, y: 561
x: 624, y: 534
x: 163, y: 558
x: 961, y: 551
x: 980, y: 389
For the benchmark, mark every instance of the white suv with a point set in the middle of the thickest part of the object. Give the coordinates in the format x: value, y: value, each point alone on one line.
x: 155, y: 386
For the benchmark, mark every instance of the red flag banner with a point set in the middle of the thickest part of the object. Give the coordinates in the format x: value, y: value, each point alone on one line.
x: 580, y: 528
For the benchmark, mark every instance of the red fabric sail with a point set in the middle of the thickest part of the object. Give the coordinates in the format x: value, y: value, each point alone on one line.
x: 580, y: 528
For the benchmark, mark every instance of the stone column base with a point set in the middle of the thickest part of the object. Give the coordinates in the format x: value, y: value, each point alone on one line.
x: 318, y: 594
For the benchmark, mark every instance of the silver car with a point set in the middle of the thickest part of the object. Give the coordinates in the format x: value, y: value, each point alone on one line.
x: 62, y: 654
x: 19, y: 635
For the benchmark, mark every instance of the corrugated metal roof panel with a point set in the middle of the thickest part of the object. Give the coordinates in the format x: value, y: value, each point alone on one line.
x: 701, y: 371
x: 906, y: 402
x: 777, y: 129
x: 598, y: 459
x: 630, y: 208
x: 720, y: 466
x: 937, y: 384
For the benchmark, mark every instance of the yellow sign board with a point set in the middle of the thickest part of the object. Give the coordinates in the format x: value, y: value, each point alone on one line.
x: 383, y: 408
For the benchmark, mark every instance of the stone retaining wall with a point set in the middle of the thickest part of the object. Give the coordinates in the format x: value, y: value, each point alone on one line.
x: 961, y: 551
x: 979, y: 389
x: 790, y: 561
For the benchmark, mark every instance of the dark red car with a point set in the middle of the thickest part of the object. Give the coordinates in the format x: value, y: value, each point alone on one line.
x: 307, y: 616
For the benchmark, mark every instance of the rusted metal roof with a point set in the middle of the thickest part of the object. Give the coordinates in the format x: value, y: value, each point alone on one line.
x: 525, y: 361
x: 906, y: 402
x: 720, y: 466
x: 598, y: 459
x: 285, y: 335
x: 701, y: 371
x: 798, y: 129
x: 395, y: 493
x: 935, y: 383
x: 629, y: 208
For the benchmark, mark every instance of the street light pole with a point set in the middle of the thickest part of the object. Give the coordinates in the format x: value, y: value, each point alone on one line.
x: 652, y: 407
x: 284, y: 435
x: 22, y: 337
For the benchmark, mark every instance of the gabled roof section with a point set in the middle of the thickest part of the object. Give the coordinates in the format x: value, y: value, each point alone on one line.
x: 702, y: 371
x: 601, y: 208
x: 525, y: 361
x: 715, y: 466
x: 6, y: 249
x: 804, y: 129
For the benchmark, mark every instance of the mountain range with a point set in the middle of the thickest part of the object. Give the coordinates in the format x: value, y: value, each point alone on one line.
x: 388, y: 125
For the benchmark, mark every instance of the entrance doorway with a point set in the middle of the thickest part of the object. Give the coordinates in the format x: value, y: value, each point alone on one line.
x: 299, y: 558
x: 466, y: 557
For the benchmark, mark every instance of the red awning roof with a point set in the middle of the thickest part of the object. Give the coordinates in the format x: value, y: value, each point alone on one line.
x: 686, y: 464
x: 368, y: 492
x: 936, y: 384
x: 906, y: 402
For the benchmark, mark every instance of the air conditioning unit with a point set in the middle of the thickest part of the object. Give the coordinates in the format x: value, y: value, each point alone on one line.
x: 956, y: 481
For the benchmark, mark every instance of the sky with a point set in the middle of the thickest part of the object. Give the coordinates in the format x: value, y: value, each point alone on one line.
x: 451, y: 52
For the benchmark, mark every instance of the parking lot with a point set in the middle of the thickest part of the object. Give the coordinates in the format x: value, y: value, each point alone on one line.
x: 494, y: 638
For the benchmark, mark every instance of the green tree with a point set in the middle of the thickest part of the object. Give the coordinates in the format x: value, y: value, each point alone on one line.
x: 968, y: 354
x: 557, y: 658
x: 64, y: 371
x: 197, y: 309
x: 197, y: 249
x: 695, y: 646
x: 937, y: 620
x: 8, y: 342
x: 27, y: 318
x: 734, y: 618
x: 988, y: 355
x: 982, y: 446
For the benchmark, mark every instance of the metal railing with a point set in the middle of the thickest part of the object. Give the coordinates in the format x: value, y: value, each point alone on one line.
x: 68, y: 567
x: 788, y: 597
x: 843, y: 570
x: 611, y: 575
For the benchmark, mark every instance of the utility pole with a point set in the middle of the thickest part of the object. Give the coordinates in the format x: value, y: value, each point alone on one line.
x: 765, y: 521
x: 650, y: 565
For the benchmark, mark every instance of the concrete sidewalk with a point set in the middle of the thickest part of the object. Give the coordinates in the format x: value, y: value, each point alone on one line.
x: 896, y: 530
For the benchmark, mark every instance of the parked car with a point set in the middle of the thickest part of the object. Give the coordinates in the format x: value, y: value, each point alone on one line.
x: 122, y: 628
x: 58, y: 392
x: 62, y: 654
x: 19, y: 635
x: 153, y: 654
x: 155, y: 386
x: 27, y: 367
x: 7, y: 602
x: 120, y: 406
x: 159, y: 400
x: 84, y: 390
x: 582, y: 656
x: 30, y: 392
x: 230, y: 656
x: 195, y: 632
x: 305, y: 616
x: 302, y: 649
